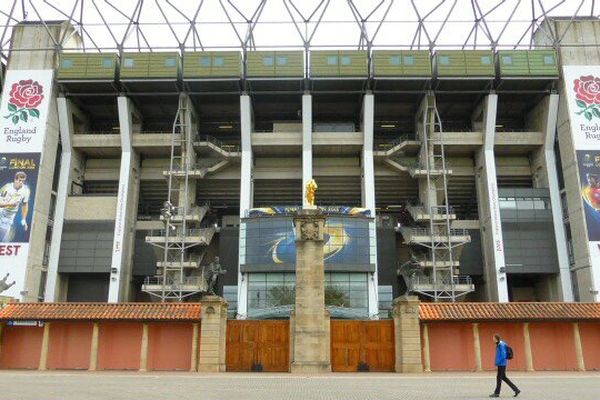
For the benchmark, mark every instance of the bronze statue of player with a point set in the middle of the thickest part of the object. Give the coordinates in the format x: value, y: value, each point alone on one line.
x: 214, y: 270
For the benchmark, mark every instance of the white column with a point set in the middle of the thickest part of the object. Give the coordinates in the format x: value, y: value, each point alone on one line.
x: 306, y: 144
x: 65, y: 121
x: 553, y: 187
x: 368, y: 195
x: 246, y: 196
x: 489, y: 210
x: 126, y: 207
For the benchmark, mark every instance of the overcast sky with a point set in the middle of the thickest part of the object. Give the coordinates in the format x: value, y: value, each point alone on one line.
x: 276, y: 29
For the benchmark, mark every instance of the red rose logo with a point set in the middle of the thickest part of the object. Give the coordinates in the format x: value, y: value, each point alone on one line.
x: 25, y: 96
x: 587, y: 89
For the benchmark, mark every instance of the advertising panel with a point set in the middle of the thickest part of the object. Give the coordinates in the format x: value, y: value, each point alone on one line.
x: 583, y: 99
x: 23, y: 116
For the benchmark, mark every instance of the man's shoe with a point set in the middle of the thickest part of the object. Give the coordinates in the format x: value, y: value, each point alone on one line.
x: 494, y: 395
x: 517, y: 393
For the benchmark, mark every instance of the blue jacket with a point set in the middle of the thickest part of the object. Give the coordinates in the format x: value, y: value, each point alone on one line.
x: 501, y: 354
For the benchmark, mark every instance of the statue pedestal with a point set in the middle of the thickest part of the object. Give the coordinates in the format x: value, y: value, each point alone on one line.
x: 310, y: 319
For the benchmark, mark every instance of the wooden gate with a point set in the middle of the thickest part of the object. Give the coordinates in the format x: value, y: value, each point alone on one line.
x: 265, y: 342
x: 355, y: 342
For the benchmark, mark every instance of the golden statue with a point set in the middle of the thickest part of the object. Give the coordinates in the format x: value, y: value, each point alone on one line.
x: 311, y: 189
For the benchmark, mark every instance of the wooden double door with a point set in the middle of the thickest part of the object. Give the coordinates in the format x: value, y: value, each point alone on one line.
x: 368, y: 342
x: 253, y: 343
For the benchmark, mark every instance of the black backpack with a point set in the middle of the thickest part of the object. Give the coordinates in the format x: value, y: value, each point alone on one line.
x: 509, y: 352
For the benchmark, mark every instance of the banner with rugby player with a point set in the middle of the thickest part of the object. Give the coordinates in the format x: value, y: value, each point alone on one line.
x: 583, y: 99
x: 23, y: 117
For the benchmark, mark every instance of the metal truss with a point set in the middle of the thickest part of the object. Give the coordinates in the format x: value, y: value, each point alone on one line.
x: 155, y: 25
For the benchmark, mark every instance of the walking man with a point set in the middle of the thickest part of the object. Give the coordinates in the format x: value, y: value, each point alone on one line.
x: 501, y: 362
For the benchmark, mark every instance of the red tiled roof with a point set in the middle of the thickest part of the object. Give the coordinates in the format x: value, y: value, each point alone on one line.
x: 431, y: 312
x: 102, y: 311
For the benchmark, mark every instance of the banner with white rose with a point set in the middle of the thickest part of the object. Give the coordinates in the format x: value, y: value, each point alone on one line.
x: 583, y: 99
x: 23, y: 118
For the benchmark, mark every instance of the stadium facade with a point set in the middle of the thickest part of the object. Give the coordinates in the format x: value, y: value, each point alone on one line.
x: 452, y: 174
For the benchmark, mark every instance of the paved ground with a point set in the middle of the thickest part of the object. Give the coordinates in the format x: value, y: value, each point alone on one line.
x: 235, y: 386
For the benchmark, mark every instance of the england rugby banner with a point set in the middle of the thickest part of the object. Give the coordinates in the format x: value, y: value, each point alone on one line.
x: 23, y: 117
x: 583, y: 99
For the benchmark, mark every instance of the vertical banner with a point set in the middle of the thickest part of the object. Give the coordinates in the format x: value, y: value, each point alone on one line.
x: 23, y: 116
x: 583, y: 99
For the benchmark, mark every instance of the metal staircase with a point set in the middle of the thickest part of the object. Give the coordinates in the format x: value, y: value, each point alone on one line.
x: 433, y: 269
x: 184, y: 240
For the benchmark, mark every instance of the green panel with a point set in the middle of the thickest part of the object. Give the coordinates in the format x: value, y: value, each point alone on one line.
x: 215, y: 64
x: 163, y: 65
x: 402, y: 63
x: 101, y: 66
x: 260, y: 64
x: 134, y: 65
x: 513, y: 63
x: 354, y: 63
x: 450, y: 63
x: 72, y: 66
x: 319, y: 66
x: 289, y: 64
x: 543, y: 63
x: 480, y: 63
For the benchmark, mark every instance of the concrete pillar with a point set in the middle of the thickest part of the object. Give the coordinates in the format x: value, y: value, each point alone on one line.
x: 144, y: 349
x: 213, y: 335
x: 43, y: 365
x: 477, y: 347
x: 94, y: 347
x: 306, y: 144
x: 408, y: 335
x: 489, y: 209
x: 578, y: 347
x: 194, y: 360
x: 426, y: 354
x: 246, y: 196
x: 127, y: 205
x: 543, y: 118
x: 528, y: 352
x: 70, y: 160
x: 311, y: 320
x: 368, y: 196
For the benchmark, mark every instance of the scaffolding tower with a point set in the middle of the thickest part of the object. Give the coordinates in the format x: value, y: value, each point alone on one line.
x: 435, y: 245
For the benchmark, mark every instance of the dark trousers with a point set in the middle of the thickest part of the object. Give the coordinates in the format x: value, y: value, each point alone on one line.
x: 501, y: 376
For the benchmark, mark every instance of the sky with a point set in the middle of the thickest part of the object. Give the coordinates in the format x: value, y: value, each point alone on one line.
x: 447, y: 23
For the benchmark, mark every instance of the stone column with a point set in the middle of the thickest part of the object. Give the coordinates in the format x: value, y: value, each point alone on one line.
x: 144, y: 349
x: 578, y: 347
x: 194, y: 360
x: 528, y: 353
x: 310, y: 352
x: 94, y: 347
x: 213, y: 330
x: 43, y: 365
x: 426, y: 355
x: 477, y: 347
x: 408, y: 334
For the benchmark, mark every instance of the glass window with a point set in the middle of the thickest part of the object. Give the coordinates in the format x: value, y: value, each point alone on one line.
x: 332, y: 60
x: 486, y: 60
x: 507, y: 203
x: 444, y: 60
x: 507, y: 60
x: 170, y: 62
x: 525, y: 204
x: 218, y: 62
x: 204, y: 61
x: 409, y: 60
x: 107, y: 63
x: 281, y: 60
x: 395, y: 60
x: 67, y: 63
x: 128, y: 63
x: 549, y: 59
x: 268, y: 61
x: 345, y: 60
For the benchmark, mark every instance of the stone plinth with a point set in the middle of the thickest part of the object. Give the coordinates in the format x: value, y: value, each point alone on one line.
x: 310, y: 320
x: 408, y: 334
x: 211, y: 355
